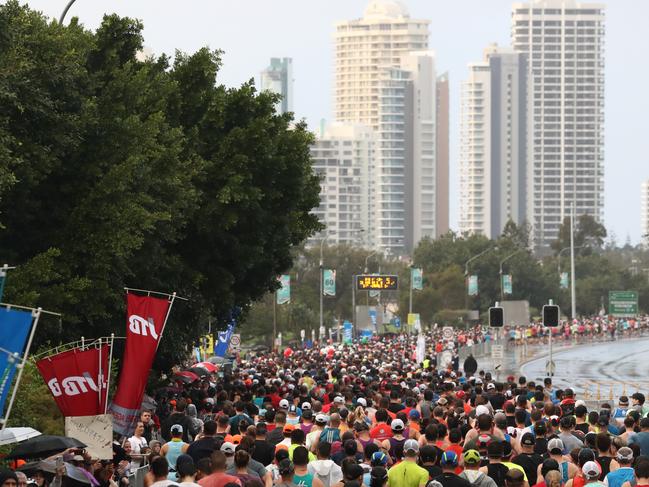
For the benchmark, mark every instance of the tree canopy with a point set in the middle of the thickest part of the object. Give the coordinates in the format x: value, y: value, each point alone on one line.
x: 119, y: 172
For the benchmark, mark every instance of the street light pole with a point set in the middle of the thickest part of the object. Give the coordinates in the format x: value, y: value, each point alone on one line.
x: 573, y: 298
x: 466, y: 273
x: 500, y: 272
x: 410, y: 298
x: 322, y: 278
x: 65, y: 11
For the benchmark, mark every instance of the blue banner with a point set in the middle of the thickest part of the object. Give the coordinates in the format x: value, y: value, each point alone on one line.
x: 372, y: 314
x: 15, y: 326
x: 564, y: 280
x: 507, y: 284
x: 329, y: 282
x: 347, y: 332
x: 283, y: 294
x: 417, y: 278
x: 473, y: 285
x: 223, y: 341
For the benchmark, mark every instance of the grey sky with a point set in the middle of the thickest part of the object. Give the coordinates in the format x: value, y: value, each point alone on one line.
x: 252, y: 31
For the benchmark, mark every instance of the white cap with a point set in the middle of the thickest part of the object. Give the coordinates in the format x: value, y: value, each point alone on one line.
x: 482, y: 409
x: 228, y: 447
x: 283, y: 404
x: 321, y: 418
x: 361, y: 402
x: 397, y: 425
x: 339, y: 400
x: 306, y: 405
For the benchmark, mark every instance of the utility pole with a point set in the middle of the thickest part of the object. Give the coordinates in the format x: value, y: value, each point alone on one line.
x: 573, y: 296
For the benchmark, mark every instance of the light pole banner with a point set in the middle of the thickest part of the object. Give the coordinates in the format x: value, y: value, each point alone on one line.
x: 77, y: 379
x: 347, y: 332
x: 507, y: 284
x: 564, y: 280
x: 146, y: 316
x: 284, y: 292
x: 417, y: 278
x: 472, y: 285
x: 15, y: 326
x: 329, y: 282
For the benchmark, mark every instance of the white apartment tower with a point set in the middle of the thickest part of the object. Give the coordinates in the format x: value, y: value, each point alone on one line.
x: 493, y: 143
x: 278, y: 78
x: 564, y: 41
x: 343, y: 157
x: 385, y: 79
x: 644, y: 212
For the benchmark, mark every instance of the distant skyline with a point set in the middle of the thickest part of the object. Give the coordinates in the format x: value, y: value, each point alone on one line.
x: 250, y: 32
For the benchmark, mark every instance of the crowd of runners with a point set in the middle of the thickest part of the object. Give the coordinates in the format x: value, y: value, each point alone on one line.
x: 369, y: 414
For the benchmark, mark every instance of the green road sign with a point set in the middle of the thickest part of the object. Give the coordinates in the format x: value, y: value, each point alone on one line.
x: 623, y: 303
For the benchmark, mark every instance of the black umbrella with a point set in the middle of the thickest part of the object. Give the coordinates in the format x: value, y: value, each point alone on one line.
x: 44, y: 446
x: 199, y: 371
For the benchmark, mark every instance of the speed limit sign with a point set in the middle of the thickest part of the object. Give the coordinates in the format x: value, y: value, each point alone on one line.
x: 235, y: 342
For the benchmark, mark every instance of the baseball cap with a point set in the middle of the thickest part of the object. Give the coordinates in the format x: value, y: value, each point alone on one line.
x: 491, y: 386
x: 361, y: 402
x: 591, y: 470
x: 339, y: 400
x: 228, y: 448
x: 321, y: 418
x: 306, y: 405
x: 482, y: 409
x: 449, y: 457
x: 528, y: 439
x: 411, y: 445
x: 397, y: 425
x: 442, y: 401
x: 176, y: 428
x: 288, y: 428
x: 555, y: 444
x: 283, y: 404
x: 471, y: 457
x: 379, y: 458
x: 414, y: 414
x: 625, y: 453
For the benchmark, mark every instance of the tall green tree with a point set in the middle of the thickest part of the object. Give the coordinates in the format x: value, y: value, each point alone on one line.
x: 117, y: 172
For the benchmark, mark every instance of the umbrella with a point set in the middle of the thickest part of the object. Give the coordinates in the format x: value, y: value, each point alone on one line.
x: 44, y: 446
x: 75, y: 473
x: 206, y: 365
x: 186, y: 376
x: 15, y: 435
x: 199, y: 371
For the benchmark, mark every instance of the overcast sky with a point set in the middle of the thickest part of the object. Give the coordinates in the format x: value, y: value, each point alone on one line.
x: 252, y: 31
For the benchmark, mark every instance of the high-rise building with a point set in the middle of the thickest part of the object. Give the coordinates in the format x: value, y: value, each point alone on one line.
x: 493, y: 152
x: 442, y: 157
x: 278, y: 78
x: 364, y: 49
x: 343, y: 157
x: 644, y: 212
x: 385, y: 79
x: 564, y: 41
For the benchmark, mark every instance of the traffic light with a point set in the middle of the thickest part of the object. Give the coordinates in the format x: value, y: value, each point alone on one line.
x: 550, y: 315
x: 496, y: 317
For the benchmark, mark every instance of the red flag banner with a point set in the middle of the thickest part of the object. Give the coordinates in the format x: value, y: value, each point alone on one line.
x: 73, y: 379
x: 144, y: 326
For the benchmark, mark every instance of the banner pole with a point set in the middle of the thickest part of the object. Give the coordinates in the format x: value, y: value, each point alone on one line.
x: 100, y: 376
x: 110, y: 367
x: 164, y: 324
x: 36, y: 314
